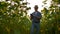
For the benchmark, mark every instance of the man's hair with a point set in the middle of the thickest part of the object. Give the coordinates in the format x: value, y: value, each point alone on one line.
x: 36, y: 6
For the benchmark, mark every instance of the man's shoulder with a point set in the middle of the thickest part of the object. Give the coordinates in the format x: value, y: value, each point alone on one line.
x: 33, y: 12
x: 39, y: 12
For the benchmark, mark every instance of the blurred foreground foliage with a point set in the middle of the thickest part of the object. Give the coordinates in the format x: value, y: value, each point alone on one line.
x: 14, y: 18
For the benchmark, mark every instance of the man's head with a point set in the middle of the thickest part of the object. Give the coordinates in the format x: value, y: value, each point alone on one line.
x: 36, y: 7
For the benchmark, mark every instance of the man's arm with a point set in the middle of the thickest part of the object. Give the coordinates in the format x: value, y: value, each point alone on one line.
x: 31, y: 16
x: 39, y: 16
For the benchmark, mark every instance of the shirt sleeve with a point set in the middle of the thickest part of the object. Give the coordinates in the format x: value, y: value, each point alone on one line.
x: 31, y: 15
x: 39, y: 15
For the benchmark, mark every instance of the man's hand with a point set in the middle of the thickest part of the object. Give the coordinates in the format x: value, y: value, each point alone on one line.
x: 31, y: 16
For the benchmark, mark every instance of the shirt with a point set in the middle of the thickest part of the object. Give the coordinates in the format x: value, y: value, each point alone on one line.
x: 35, y: 15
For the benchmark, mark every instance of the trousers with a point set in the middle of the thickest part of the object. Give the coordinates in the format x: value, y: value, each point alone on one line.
x: 35, y: 26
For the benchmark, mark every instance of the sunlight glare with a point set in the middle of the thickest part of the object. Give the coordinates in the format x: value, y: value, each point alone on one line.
x: 39, y: 3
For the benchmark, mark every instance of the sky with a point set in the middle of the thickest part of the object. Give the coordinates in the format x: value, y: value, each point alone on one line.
x: 39, y: 3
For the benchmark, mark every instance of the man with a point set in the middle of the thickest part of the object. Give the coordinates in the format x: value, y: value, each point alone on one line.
x: 35, y: 18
